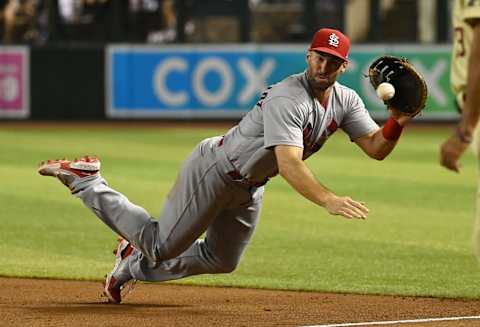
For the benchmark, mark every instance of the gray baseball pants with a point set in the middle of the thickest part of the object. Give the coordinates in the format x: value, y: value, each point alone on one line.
x: 203, y: 199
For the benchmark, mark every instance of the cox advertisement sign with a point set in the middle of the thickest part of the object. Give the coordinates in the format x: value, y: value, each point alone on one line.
x: 225, y: 82
x: 14, y: 73
x: 193, y: 82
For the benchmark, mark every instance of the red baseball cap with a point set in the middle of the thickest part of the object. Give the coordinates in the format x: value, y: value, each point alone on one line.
x: 332, y: 42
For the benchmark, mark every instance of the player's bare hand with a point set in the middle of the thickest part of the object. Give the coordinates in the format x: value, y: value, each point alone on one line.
x: 347, y: 207
x: 451, y: 151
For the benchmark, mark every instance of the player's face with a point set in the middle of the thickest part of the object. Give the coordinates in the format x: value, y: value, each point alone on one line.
x: 323, y: 69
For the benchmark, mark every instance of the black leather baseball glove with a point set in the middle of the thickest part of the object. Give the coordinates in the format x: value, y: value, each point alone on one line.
x: 410, y: 87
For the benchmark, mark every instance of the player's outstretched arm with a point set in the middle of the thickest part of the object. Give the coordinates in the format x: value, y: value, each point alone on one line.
x: 379, y: 144
x: 299, y: 176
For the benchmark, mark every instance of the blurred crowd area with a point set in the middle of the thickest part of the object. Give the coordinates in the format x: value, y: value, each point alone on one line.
x: 43, y: 22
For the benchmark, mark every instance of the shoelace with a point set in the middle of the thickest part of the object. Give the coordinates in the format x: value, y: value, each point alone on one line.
x: 128, y: 287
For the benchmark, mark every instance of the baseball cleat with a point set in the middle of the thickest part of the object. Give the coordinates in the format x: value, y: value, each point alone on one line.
x: 71, y: 173
x: 119, y: 278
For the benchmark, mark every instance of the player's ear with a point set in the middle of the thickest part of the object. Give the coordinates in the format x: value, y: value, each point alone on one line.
x: 343, y: 68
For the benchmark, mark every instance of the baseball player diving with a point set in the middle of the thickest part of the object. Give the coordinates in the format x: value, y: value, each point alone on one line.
x: 220, y: 186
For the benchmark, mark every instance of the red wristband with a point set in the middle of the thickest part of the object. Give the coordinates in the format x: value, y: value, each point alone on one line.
x: 392, y: 129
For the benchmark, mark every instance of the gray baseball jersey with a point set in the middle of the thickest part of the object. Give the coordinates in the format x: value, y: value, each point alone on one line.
x: 219, y: 188
x: 287, y: 114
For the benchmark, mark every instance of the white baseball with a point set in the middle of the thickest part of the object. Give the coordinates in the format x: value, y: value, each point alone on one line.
x: 385, y: 91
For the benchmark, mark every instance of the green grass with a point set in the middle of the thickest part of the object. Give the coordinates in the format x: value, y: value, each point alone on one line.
x: 415, y: 242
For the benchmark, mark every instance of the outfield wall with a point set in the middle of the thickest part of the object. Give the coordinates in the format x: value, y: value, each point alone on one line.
x: 184, y: 82
x: 67, y: 83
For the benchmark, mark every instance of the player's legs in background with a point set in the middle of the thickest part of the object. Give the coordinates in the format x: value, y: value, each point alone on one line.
x: 476, y: 229
x: 220, y: 252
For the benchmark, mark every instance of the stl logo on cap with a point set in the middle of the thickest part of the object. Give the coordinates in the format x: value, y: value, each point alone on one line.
x: 333, y: 40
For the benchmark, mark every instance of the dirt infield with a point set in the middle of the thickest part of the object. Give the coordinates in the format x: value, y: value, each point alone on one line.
x: 35, y: 302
